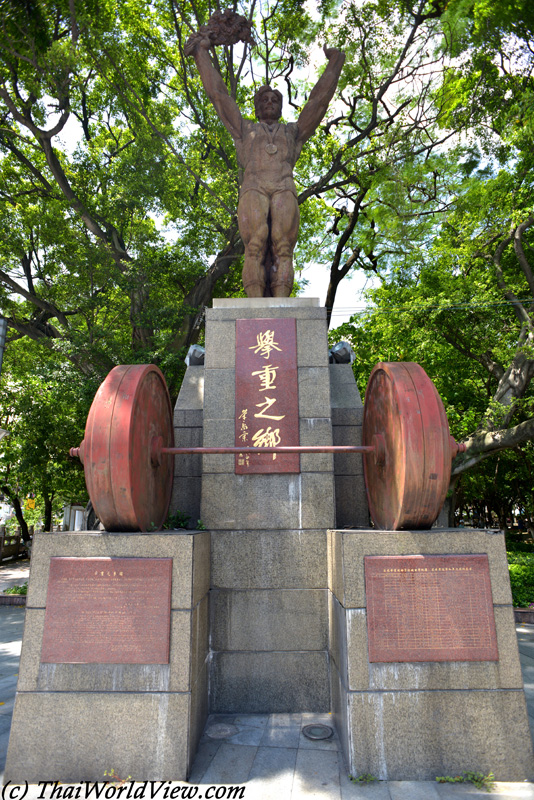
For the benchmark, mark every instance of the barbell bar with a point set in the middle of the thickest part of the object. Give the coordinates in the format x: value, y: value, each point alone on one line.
x: 407, y: 448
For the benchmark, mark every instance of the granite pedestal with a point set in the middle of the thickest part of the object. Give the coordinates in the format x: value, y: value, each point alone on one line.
x: 75, y: 721
x: 268, y: 598
x: 414, y: 721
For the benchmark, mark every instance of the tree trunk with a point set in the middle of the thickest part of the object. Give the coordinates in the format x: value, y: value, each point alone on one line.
x: 19, y: 514
x: 20, y: 519
x: 47, y: 522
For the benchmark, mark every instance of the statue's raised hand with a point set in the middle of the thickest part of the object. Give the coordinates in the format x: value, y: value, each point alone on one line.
x: 197, y: 40
x: 333, y: 52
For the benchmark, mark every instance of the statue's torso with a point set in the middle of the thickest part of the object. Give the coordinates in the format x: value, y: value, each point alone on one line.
x: 267, y: 155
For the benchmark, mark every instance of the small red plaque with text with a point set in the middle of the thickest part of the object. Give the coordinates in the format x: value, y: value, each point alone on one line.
x: 430, y: 608
x: 108, y: 611
x: 266, y: 394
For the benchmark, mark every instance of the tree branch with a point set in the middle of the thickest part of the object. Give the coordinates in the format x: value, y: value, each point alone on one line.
x: 485, y: 443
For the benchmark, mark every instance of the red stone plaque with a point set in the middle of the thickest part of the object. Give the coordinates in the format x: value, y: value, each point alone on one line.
x: 266, y: 394
x: 430, y: 608
x: 108, y: 611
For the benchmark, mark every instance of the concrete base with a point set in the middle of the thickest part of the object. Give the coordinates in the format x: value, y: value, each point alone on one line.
x: 414, y: 721
x: 74, y: 722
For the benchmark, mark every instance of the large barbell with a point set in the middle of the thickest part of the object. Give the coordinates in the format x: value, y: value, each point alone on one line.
x: 128, y: 444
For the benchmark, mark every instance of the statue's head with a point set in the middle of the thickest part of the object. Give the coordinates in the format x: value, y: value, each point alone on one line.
x: 268, y: 104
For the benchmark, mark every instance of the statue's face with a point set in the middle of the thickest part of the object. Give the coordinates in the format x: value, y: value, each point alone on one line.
x: 269, y: 107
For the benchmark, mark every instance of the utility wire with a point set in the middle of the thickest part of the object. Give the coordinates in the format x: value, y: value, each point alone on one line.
x: 343, y: 311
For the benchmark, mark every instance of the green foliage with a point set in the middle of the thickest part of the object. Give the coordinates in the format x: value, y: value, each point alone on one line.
x: 23, y: 589
x: 521, y: 569
x: 118, y: 207
x: 113, y: 776
x: 365, y: 778
x: 177, y: 520
x: 481, y: 781
x: 43, y: 406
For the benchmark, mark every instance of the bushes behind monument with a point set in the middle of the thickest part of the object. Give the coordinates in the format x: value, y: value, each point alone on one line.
x: 521, y: 568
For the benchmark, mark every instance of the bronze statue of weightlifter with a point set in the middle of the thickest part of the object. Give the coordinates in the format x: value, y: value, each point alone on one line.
x: 268, y: 212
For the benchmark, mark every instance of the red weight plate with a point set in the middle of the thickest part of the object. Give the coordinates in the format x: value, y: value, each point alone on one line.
x: 131, y: 407
x: 407, y: 488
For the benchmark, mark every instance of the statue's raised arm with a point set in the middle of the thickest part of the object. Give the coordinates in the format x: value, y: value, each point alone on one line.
x: 267, y: 151
x: 321, y: 94
x: 214, y: 86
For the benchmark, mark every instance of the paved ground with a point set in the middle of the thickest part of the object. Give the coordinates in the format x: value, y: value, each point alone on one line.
x: 14, y: 573
x: 525, y: 640
x: 268, y: 755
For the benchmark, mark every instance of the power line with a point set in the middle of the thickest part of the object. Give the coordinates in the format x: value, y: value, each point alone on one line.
x: 343, y: 311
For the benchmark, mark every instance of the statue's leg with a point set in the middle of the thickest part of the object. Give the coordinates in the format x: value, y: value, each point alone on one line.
x: 252, y: 217
x: 285, y: 219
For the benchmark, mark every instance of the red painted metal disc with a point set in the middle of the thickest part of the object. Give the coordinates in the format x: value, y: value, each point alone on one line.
x: 406, y: 489
x: 131, y: 407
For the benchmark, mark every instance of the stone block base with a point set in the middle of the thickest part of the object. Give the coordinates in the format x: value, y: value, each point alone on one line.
x: 75, y: 721
x: 267, y: 683
x: 405, y: 721
x: 416, y: 736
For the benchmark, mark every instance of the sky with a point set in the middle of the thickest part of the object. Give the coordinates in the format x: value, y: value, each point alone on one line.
x: 349, y: 298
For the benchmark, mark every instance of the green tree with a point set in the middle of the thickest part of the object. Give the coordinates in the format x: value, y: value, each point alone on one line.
x: 454, y: 251
x: 43, y: 408
x: 112, y: 248
x: 87, y: 239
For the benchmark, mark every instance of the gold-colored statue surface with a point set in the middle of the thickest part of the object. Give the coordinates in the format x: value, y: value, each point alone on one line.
x: 267, y: 151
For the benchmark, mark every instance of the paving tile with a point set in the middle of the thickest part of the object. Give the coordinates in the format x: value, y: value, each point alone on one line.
x: 4, y: 741
x: 8, y: 700
x: 247, y: 735
x: 11, y: 623
x: 225, y: 719
x: 271, y: 776
x: 216, y: 719
x: 231, y: 764
x: 8, y: 684
x: 320, y: 744
x: 206, y: 751
x: 281, y: 736
x: 413, y: 790
x: 251, y: 720
x: 251, y: 728
x: 526, y: 646
x: 316, y: 776
x: 285, y: 719
x: 459, y: 791
x: 5, y: 723
x: 514, y: 791
x: 317, y: 719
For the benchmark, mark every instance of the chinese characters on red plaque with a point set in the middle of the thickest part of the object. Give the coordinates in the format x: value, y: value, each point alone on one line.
x: 430, y: 608
x: 108, y: 611
x: 266, y: 394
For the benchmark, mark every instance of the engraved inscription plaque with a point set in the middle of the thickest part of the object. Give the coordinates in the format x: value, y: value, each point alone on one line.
x: 266, y: 394
x: 430, y: 608
x: 108, y: 611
